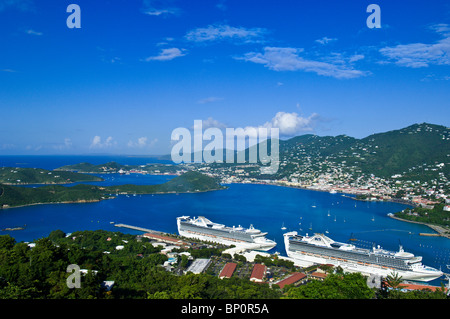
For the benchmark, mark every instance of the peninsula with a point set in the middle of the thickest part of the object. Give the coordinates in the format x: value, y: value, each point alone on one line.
x: 26, y: 176
x: 189, y: 182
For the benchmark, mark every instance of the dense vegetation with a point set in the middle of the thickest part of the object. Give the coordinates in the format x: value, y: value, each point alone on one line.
x: 11, y: 196
x: 40, y: 272
x: 435, y: 216
x: 403, y: 151
x: 19, y: 175
x: 188, y: 182
x: 113, y: 167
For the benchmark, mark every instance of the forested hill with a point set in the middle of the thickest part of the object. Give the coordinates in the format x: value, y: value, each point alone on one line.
x: 21, y: 176
x: 413, y: 151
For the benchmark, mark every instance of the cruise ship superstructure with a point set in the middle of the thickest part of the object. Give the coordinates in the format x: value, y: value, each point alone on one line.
x: 320, y: 249
x: 204, y: 229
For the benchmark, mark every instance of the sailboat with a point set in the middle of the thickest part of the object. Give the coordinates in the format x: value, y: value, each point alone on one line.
x: 282, y: 227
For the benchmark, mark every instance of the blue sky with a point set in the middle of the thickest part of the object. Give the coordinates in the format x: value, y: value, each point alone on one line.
x: 136, y: 70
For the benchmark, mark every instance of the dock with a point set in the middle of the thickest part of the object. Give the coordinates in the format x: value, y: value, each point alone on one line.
x: 145, y: 230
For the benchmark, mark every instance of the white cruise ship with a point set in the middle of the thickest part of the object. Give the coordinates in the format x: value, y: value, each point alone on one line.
x: 320, y: 249
x: 204, y: 229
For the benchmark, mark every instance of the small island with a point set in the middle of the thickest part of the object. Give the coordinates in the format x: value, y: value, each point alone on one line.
x: 189, y: 182
x: 26, y: 176
x: 113, y: 168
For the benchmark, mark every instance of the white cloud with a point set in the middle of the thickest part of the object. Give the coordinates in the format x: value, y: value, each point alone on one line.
x: 32, y: 32
x: 209, y: 100
x: 356, y: 57
x: 226, y: 32
x: 97, y: 142
x: 325, y: 40
x: 167, y: 54
x: 62, y: 146
x: 160, y: 8
x: 291, y: 124
x: 289, y: 59
x: 418, y: 55
x: 142, y: 142
x: 155, y: 12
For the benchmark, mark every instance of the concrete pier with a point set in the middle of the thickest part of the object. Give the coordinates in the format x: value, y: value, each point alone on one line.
x: 145, y: 230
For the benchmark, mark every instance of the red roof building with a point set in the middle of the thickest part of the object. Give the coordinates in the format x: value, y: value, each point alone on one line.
x: 408, y: 286
x: 295, y: 277
x: 228, y: 270
x: 318, y: 275
x: 258, y: 273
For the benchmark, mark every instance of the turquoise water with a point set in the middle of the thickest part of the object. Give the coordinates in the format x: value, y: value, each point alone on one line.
x: 267, y: 207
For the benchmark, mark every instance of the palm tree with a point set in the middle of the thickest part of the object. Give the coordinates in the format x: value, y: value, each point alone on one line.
x: 394, y: 280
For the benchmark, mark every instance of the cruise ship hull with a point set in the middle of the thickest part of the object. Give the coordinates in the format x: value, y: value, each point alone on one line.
x: 309, y: 254
x: 365, y: 269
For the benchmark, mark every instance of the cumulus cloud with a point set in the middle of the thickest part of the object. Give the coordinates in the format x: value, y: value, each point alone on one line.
x: 167, y: 54
x: 226, y: 32
x: 289, y: 59
x: 97, y: 142
x: 142, y: 142
x: 418, y: 55
x: 291, y: 124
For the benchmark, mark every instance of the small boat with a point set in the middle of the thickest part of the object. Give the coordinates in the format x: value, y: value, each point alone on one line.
x: 282, y: 227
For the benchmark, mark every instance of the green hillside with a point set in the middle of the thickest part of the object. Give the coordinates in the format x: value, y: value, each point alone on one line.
x: 187, y: 183
x: 417, y: 151
x: 396, y: 152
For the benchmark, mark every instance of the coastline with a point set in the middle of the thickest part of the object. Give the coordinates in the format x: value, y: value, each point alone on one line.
x: 62, y: 183
x: 441, y: 231
x: 84, y: 201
